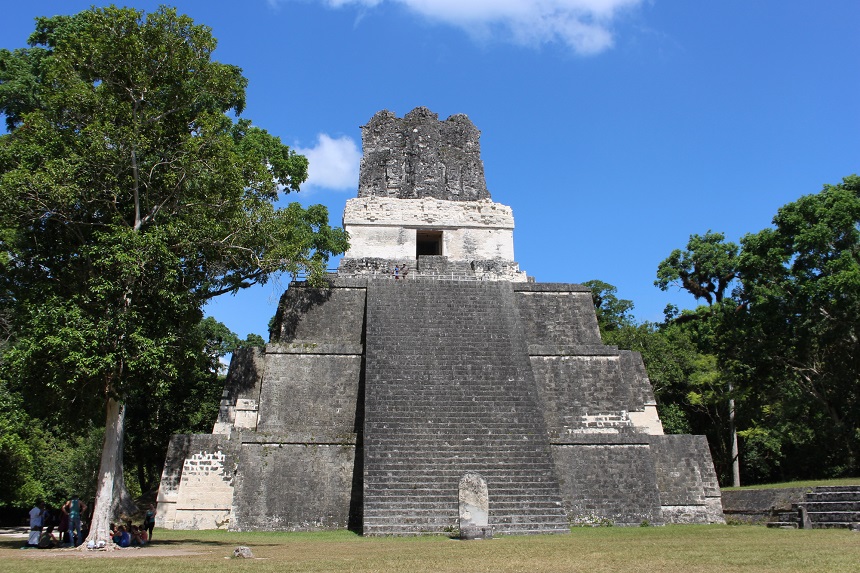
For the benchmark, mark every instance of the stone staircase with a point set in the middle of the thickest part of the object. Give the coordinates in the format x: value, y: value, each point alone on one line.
x: 449, y: 390
x: 825, y: 507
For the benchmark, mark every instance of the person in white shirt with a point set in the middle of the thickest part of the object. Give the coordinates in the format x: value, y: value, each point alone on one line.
x: 36, y: 515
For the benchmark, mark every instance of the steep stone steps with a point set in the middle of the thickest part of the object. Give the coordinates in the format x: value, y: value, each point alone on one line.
x: 825, y: 507
x: 829, y: 507
x: 450, y: 390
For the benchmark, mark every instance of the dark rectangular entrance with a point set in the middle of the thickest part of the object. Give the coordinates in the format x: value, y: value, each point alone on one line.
x: 428, y: 242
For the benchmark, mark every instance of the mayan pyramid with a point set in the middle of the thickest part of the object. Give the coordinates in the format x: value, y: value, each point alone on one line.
x: 429, y: 355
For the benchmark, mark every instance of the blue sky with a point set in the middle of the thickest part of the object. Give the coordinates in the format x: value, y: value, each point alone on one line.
x: 613, y: 128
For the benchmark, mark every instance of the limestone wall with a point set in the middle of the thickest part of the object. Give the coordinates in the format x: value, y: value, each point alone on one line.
x: 197, y: 483
x: 557, y: 315
x: 642, y: 404
x: 756, y: 506
x: 385, y: 227
x: 580, y: 392
x: 579, y: 379
x: 309, y: 388
x: 314, y: 316
x: 241, y: 396
x: 290, y: 486
x: 297, y: 471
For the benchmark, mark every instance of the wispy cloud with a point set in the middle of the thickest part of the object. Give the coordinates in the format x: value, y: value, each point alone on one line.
x: 583, y: 25
x: 332, y: 163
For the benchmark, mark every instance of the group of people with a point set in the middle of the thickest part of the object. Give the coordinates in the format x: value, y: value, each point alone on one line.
x: 401, y: 271
x: 67, y: 521
x: 131, y: 535
x: 72, y: 528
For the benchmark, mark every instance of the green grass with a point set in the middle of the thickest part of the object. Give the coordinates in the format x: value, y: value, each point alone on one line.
x: 808, y: 483
x: 688, y: 549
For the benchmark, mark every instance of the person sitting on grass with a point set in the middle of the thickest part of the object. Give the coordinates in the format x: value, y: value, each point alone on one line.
x: 138, y: 536
x: 48, y: 540
x: 121, y: 537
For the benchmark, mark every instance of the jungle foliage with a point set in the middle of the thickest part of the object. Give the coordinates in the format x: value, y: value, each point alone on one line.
x: 779, y: 334
x: 131, y: 192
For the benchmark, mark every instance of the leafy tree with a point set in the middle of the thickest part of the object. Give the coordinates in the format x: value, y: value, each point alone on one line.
x: 801, y: 291
x: 17, y: 471
x: 187, y: 403
x: 612, y: 313
x: 705, y: 269
x: 131, y: 197
x: 40, y: 462
x: 784, y: 343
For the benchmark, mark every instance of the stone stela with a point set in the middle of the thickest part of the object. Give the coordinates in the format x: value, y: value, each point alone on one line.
x: 431, y: 357
x: 474, y: 507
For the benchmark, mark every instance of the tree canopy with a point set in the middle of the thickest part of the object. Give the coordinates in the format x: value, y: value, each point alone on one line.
x: 783, y: 343
x: 131, y: 193
x: 705, y: 269
x: 801, y: 293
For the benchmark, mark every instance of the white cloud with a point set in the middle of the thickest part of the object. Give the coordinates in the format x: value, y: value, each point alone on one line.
x: 332, y: 163
x: 583, y: 25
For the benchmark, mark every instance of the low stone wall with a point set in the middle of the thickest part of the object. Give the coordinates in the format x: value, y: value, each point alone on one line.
x: 758, y: 506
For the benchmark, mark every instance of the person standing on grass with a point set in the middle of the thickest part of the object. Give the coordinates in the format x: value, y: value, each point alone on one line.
x: 149, y: 520
x: 63, y: 526
x: 74, y: 508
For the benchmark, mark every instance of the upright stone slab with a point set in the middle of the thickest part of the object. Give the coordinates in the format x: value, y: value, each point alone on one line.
x: 474, y: 507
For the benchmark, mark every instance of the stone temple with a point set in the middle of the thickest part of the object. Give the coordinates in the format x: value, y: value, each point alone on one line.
x: 378, y: 393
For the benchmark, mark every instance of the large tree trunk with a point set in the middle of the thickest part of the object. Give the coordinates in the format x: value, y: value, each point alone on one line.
x: 733, y: 436
x: 112, y: 498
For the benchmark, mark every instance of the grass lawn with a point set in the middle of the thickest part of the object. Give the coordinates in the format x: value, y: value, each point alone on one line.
x: 809, y: 484
x: 687, y: 549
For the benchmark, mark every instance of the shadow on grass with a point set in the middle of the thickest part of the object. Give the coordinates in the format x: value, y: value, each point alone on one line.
x: 14, y: 543
x: 166, y: 543
x: 189, y: 541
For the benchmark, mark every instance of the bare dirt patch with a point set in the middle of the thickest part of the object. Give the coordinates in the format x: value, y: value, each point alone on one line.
x: 15, y: 538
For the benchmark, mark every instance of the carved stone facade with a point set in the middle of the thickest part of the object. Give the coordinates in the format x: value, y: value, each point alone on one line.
x: 414, y: 368
x: 419, y: 156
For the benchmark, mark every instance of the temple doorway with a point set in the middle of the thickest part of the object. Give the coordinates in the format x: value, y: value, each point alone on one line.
x: 428, y: 243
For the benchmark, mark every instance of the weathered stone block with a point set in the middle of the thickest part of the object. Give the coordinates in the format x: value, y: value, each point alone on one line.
x: 689, y: 491
x: 289, y: 487
x: 305, y: 391
x: 474, y: 507
x: 197, y: 483
x: 608, y: 481
x: 320, y: 315
x: 419, y: 156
